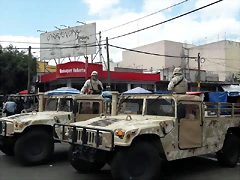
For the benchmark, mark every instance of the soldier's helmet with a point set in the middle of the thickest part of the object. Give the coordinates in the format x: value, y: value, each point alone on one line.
x: 94, y: 73
x: 177, y: 71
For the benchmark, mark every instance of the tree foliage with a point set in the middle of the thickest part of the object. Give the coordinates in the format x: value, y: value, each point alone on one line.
x: 14, y: 70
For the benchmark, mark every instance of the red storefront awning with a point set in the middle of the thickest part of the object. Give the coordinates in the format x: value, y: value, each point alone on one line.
x: 76, y: 69
x: 23, y: 92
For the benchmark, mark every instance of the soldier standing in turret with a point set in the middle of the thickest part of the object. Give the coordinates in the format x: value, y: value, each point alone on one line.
x: 178, y: 83
x: 93, y: 85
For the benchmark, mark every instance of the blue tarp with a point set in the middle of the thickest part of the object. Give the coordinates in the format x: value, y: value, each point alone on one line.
x: 163, y: 92
x: 107, y: 99
x: 137, y: 90
x: 218, y: 97
x: 106, y: 93
x: 63, y: 90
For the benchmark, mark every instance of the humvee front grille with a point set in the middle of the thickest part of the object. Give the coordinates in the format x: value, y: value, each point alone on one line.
x: 90, y: 136
x: 86, y: 136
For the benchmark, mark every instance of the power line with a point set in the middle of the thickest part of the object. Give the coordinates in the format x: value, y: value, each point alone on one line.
x: 176, y: 17
x: 223, y: 65
x: 27, y: 42
x: 67, y: 47
x: 145, y: 16
x: 171, y: 19
x: 223, y: 59
x: 149, y: 53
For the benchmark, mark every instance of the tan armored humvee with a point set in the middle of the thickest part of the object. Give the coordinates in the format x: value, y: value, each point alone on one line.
x: 29, y: 136
x: 147, y: 129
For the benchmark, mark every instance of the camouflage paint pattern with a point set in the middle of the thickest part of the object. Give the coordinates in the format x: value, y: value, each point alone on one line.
x: 19, y: 122
x: 213, y: 131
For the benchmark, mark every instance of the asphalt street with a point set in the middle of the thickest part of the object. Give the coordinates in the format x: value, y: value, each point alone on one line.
x: 198, y: 168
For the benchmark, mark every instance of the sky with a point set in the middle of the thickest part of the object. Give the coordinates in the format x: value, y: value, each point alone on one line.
x: 20, y: 20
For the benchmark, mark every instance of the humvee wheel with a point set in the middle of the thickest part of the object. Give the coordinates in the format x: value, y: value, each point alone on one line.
x: 230, y: 153
x: 140, y: 161
x: 83, y: 166
x: 7, y: 149
x: 34, y: 147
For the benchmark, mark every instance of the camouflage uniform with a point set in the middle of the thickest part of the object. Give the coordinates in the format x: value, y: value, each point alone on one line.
x: 178, y: 83
x: 93, y: 85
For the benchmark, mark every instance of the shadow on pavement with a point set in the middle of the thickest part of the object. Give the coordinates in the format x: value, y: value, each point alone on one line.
x: 196, y: 168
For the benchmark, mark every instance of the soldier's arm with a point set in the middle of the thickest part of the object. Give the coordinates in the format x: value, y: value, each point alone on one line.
x: 171, y: 84
x: 85, y: 86
x: 100, y: 83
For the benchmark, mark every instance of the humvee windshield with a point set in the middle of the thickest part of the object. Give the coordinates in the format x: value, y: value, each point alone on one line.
x: 65, y: 104
x: 160, y: 107
x: 130, y: 106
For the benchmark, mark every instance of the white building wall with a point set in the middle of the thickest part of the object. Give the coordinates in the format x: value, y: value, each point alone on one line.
x: 232, y: 57
x: 214, y: 54
x: 221, y: 58
x: 139, y: 60
x: 173, y: 49
x: 166, y: 74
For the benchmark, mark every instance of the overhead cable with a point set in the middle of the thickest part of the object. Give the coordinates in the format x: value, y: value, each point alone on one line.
x: 149, y: 53
x: 171, y: 19
x: 67, y: 47
x: 146, y: 16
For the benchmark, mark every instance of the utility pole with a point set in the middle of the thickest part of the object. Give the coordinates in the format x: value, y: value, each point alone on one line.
x: 199, y: 75
x: 29, y: 69
x: 100, y: 47
x: 108, y: 64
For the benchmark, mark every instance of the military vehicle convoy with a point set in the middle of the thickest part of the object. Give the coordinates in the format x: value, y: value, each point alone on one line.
x: 29, y: 136
x: 145, y: 130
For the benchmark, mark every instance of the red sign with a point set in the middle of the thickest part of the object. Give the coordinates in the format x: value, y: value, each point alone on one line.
x: 76, y: 69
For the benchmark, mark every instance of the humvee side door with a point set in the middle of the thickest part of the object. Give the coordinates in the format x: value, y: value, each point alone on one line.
x: 190, y: 132
x: 88, y: 109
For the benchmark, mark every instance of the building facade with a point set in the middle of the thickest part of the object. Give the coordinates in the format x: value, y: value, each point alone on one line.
x: 74, y: 74
x: 221, y: 58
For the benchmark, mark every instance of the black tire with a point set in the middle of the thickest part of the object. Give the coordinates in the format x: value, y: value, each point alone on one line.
x: 140, y: 161
x: 230, y: 153
x: 83, y: 166
x: 7, y: 149
x: 34, y: 147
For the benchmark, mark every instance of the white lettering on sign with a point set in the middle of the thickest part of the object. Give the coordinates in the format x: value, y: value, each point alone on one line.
x: 78, y: 70
x: 73, y: 70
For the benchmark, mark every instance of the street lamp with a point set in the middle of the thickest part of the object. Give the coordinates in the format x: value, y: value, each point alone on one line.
x: 65, y: 26
x: 81, y: 22
x: 41, y: 31
x: 57, y: 28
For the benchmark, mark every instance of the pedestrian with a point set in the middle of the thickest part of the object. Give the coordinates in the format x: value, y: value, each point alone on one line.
x: 9, y: 107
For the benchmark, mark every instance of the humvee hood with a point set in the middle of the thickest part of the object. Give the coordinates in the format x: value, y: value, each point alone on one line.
x: 45, y: 115
x: 122, y: 121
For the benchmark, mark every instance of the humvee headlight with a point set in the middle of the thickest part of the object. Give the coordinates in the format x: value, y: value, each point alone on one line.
x: 16, y: 124
x: 21, y: 126
x: 120, y: 133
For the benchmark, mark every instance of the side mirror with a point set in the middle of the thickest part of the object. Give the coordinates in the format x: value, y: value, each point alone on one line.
x: 181, y: 111
x: 75, y: 106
